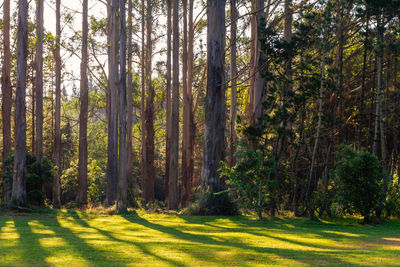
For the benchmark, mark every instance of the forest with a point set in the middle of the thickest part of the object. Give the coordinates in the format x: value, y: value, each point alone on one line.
x: 202, y: 107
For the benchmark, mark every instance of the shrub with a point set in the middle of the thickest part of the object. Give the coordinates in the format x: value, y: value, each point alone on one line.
x: 358, y: 182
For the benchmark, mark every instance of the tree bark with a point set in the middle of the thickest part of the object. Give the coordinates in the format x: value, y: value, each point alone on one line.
x: 168, y: 100
x: 259, y: 82
x: 129, y: 153
x: 57, y: 136
x: 233, y: 110
x: 174, y: 168
x: 215, y: 96
x: 187, y: 140
x: 19, y: 173
x: 112, y: 162
x: 81, y: 196
x: 122, y: 190
x: 142, y: 107
x: 6, y: 95
x: 39, y: 80
x: 149, y: 110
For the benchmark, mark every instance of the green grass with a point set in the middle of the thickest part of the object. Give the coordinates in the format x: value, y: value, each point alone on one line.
x: 73, y: 238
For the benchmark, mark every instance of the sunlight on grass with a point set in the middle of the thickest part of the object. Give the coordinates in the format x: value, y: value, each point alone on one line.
x: 80, y: 239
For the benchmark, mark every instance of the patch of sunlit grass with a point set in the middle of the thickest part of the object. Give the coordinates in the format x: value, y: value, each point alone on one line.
x: 77, y: 238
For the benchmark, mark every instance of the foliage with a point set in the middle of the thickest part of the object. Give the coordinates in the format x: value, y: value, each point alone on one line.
x: 39, y: 177
x: 358, y: 182
x: 392, y: 205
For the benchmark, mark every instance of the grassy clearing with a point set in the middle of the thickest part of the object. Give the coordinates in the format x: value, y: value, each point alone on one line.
x: 80, y: 239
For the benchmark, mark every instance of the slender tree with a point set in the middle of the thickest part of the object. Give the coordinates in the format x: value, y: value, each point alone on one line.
x: 173, y: 168
x: 129, y: 153
x: 57, y: 136
x: 168, y: 100
x: 6, y: 95
x: 149, y: 109
x: 81, y: 196
x: 233, y: 109
x: 19, y: 183
x: 215, y: 95
x: 142, y: 106
x: 39, y: 80
x: 112, y: 158
x: 122, y: 191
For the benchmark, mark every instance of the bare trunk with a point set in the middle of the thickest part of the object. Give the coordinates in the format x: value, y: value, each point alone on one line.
x: 19, y: 183
x: 57, y: 136
x: 129, y: 154
x: 215, y: 96
x: 233, y: 110
x: 259, y: 82
x: 39, y: 80
x: 174, y: 168
x: 187, y: 140
x: 142, y: 107
x: 168, y: 100
x: 122, y: 192
x: 112, y: 162
x: 6, y: 96
x: 81, y: 196
x: 149, y: 110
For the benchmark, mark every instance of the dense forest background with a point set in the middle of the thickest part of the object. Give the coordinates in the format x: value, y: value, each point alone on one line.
x: 214, y: 106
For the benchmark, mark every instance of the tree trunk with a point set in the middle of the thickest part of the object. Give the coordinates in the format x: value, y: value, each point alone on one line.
x: 215, y: 96
x: 233, y: 110
x: 129, y: 154
x: 19, y: 183
x: 187, y: 140
x: 168, y: 100
x: 6, y: 95
x: 174, y: 168
x: 122, y: 191
x: 39, y: 80
x: 149, y: 110
x: 259, y: 82
x: 142, y: 107
x: 81, y: 196
x: 112, y: 162
x: 57, y: 136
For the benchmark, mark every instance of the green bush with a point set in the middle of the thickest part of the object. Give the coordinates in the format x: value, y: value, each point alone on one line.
x: 392, y: 205
x: 358, y: 182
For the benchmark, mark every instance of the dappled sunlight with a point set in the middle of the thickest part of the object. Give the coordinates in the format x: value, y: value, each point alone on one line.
x: 79, y: 239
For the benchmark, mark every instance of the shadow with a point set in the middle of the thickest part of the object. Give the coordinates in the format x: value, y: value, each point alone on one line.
x: 78, y: 245
x: 28, y: 243
x: 308, y: 257
x: 141, y: 246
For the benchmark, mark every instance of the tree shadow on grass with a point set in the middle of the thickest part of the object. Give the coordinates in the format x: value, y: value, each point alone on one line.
x: 79, y: 245
x: 307, y: 257
x: 108, y: 234
x: 29, y: 244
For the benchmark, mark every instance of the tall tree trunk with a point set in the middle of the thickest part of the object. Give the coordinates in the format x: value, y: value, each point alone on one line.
x: 6, y: 95
x: 112, y: 162
x: 233, y: 110
x: 215, y: 96
x: 149, y: 110
x: 259, y: 82
x: 173, y: 168
x: 187, y: 71
x: 168, y: 100
x: 142, y: 107
x: 19, y: 183
x: 122, y: 190
x: 81, y: 196
x: 39, y: 80
x: 339, y: 62
x: 129, y: 154
x: 57, y: 136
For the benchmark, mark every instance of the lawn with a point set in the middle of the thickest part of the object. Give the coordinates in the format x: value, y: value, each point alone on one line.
x: 81, y: 239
